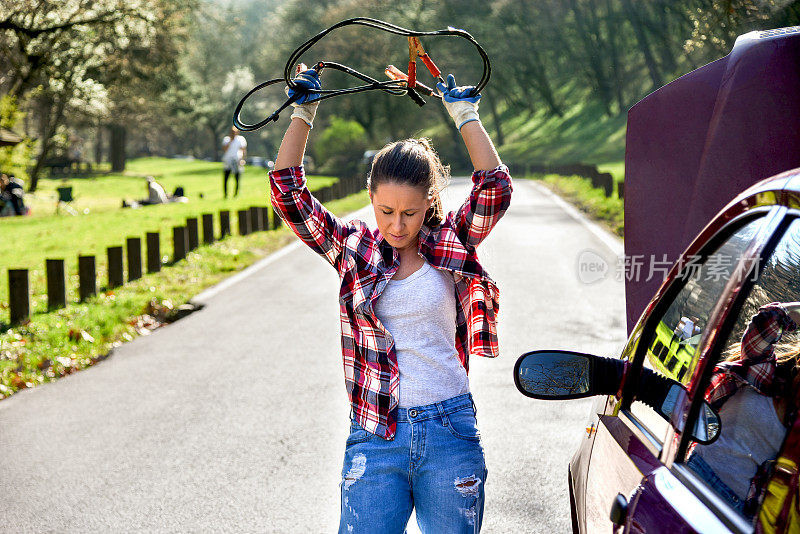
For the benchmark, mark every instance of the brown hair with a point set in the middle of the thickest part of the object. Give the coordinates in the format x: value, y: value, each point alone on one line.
x: 412, y: 162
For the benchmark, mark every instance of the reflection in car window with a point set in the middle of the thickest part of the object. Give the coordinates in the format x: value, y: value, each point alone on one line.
x: 753, y: 387
x: 672, y: 350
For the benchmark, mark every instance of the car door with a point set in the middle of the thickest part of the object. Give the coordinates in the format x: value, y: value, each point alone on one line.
x: 715, y: 492
x: 631, y: 440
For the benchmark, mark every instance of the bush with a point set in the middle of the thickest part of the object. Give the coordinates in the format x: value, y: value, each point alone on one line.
x: 341, y: 147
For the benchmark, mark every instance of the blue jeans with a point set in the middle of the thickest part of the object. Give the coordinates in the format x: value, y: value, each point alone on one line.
x: 434, y: 464
x: 704, y: 471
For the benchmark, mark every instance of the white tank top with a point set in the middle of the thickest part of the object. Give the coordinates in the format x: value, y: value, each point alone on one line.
x: 420, y: 314
x: 751, y: 433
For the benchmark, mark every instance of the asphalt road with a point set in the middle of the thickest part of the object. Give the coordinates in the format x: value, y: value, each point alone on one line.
x: 235, y: 418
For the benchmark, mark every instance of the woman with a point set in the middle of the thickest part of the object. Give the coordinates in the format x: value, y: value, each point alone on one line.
x: 415, y: 304
x: 754, y: 393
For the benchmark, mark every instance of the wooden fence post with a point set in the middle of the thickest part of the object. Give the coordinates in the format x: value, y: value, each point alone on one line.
x: 194, y: 234
x: 153, y: 252
x: 208, y: 228
x: 224, y: 223
x: 244, y: 222
x: 19, y: 299
x: 255, y: 220
x: 276, y: 220
x: 115, y: 276
x: 263, y: 213
x: 606, y: 181
x: 87, y: 277
x: 134, y: 258
x: 56, y: 284
x: 178, y: 243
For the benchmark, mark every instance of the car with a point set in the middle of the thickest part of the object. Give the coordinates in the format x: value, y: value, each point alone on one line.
x: 633, y: 470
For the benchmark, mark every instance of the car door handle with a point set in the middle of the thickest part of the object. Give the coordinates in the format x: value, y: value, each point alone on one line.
x: 619, y: 510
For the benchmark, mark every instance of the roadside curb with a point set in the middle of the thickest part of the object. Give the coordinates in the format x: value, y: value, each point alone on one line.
x: 612, y: 242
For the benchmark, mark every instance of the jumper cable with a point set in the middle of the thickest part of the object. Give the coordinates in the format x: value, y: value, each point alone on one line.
x: 399, y: 83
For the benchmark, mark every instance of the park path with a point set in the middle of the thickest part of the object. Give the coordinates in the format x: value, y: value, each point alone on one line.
x: 235, y: 418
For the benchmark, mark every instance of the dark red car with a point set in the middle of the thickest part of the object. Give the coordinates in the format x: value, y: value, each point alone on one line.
x: 632, y: 471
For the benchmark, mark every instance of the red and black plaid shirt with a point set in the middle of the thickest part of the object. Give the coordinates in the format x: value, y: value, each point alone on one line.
x: 366, y: 262
x: 757, y: 364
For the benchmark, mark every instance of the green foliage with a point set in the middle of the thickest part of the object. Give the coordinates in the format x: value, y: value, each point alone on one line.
x: 341, y: 146
x: 14, y: 159
x: 592, y: 201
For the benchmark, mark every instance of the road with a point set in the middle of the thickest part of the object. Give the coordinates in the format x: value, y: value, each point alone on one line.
x: 235, y: 418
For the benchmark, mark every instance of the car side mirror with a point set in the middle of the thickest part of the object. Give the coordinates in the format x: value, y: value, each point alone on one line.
x: 560, y: 375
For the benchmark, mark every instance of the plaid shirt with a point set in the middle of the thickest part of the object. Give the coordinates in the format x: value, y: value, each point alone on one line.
x: 365, y: 263
x: 757, y: 365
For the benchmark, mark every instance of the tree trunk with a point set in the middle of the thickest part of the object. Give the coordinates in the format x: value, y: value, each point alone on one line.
x: 644, y: 43
x: 98, y: 146
x: 51, y: 118
x: 592, y: 44
x: 611, y: 22
x: 496, y: 118
x: 117, y: 149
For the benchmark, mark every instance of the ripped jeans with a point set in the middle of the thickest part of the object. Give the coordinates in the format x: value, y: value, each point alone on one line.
x: 435, y: 464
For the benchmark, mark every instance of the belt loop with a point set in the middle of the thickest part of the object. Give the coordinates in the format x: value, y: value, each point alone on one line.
x: 442, y: 414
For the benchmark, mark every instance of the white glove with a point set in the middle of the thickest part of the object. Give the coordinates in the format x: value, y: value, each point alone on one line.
x: 459, y: 102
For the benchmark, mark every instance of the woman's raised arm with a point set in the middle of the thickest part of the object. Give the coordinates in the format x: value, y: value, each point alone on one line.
x: 306, y: 216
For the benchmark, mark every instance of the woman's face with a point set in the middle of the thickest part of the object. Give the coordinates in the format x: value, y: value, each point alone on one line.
x: 400, y: 211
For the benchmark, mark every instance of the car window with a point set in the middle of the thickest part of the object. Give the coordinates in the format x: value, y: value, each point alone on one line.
x: 672, y: 349
x: 752, y: 405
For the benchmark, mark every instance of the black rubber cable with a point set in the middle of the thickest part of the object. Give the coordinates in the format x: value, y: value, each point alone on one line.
x: 395, y: 87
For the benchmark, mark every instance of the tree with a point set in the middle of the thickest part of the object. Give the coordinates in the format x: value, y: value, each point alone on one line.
x: 58, y: 50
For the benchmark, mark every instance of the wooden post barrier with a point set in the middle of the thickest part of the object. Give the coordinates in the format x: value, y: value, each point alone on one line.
x: 115, y: 274
x: 134, y: 258
x: 606, y: 181
x: 224, y: 223
x: 193, y: 233
x: 19, y: 299
x: 255, y: 220
x: 244, y: 222
x: 178, y: 243
x: 87, y: 277
x: 276, y: 220
x: 208, y: 228
x: 263, y: 215
x: 56, y: 284
x: 153, y: 252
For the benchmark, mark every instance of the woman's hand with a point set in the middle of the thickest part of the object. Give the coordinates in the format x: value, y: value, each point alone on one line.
x: 460, y: 102
x: 305, y: 107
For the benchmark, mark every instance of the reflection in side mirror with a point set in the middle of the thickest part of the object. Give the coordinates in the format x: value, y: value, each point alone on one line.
x: 558, y: 375
x: 554, y: 375
x: 707, y: 426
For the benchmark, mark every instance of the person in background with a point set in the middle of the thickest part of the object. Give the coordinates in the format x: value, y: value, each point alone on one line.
x: 12, y: 193
x: 235, y: 147
x: 156, y: 195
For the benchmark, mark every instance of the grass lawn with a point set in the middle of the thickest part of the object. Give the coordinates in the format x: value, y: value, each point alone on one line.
x: 101, y: 222
x: 54, y: 344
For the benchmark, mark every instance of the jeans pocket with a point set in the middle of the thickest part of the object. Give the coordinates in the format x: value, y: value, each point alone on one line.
x: 357, y: 434
x: 463, y: 425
